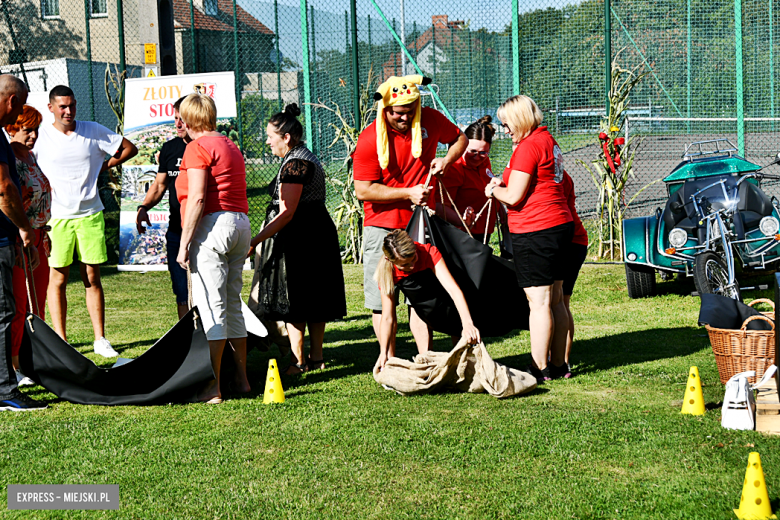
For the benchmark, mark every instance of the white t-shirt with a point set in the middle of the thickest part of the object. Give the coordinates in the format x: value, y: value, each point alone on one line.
x: 72, y: 164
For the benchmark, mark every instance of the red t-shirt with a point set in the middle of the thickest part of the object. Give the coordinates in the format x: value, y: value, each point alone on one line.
x: 544, y: 205
x: 403, y: 171
x: 466, y: 186
x: 226, y: 174
x: 580, y: 234
x: 427, y: 258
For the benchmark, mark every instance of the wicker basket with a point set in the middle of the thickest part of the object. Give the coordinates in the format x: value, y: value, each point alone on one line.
x: 742, y: 350
x: 768, y: 314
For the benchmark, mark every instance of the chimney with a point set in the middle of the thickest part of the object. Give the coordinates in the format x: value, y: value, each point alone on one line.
x: 440, y: 21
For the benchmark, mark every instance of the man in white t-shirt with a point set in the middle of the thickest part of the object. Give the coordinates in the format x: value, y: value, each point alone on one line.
x: 72, y: 154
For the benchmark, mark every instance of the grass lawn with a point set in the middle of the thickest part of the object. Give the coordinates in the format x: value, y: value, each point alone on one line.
x: 609, y: 443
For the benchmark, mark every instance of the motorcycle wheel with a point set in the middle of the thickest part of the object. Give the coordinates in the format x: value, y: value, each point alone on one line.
x: 710, y: 276
x: 640, y: 281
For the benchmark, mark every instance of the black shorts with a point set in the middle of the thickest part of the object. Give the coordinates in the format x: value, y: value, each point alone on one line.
x: 575, y: 257
x: 540, y: 256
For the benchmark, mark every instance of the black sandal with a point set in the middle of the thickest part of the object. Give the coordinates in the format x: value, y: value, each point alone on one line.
x: 303, y: 367
x: 315, y: 365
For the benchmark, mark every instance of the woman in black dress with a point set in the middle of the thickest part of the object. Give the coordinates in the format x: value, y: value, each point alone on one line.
x: 306, y: 240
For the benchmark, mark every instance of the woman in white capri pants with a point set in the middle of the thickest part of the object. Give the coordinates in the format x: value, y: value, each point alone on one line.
x: 215, y: 235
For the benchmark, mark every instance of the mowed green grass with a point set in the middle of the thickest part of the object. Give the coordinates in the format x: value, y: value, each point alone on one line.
x: 609, y: 443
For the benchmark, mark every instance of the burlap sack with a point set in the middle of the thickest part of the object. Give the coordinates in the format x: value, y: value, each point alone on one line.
x: 468, y: 368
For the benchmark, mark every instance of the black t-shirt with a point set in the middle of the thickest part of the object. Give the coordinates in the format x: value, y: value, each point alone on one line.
x: 8, y: 231
x: 170, y: 162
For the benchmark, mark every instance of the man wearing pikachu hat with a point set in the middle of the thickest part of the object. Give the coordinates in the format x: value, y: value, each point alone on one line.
x: 391, y: 163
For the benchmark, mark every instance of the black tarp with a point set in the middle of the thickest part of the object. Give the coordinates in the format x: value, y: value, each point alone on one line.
x: 726, y: 313
x: 174, y: 369
x: 497, y: 304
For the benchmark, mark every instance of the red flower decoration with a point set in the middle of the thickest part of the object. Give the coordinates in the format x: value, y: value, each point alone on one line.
x: 603, y: 136
x: 620, y: 141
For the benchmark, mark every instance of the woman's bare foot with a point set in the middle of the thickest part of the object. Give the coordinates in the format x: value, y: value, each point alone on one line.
x: 210, y: 393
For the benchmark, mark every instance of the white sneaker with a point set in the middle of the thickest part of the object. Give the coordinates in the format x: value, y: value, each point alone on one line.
x: 103, y: 347
x: 23, y: 380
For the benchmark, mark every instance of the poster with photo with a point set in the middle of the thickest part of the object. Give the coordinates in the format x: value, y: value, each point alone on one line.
x: 149, y: 124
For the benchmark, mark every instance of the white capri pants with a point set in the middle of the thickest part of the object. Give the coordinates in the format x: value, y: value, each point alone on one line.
x: 217, y: 255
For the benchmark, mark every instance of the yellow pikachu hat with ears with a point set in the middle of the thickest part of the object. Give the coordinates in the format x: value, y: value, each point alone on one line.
x: 398, y: 91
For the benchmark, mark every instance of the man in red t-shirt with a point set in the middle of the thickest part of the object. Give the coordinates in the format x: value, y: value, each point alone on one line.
x: 392, y: 161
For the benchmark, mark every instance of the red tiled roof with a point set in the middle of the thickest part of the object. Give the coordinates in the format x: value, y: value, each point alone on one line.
x: 246, y: 22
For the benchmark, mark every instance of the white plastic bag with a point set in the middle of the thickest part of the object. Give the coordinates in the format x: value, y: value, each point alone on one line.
x: 739, y: 402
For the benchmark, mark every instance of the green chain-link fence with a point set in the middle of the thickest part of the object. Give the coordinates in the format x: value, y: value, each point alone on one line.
x: 710, y: 64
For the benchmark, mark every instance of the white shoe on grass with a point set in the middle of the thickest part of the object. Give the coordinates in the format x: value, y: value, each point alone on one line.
x: 23, y: 380
x: 103, y: 348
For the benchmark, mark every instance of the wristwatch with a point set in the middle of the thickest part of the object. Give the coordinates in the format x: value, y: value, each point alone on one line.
x: 140, y: 207
x: 493, y: 187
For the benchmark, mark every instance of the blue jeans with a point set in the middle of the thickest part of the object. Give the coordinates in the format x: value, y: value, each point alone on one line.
x: 7, y: 311
x: 178, y: 275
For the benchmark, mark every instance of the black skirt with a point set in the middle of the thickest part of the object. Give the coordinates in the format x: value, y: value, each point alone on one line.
x: 315, y: 280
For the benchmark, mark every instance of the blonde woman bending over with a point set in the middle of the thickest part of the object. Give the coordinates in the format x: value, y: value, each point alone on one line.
x: 403, y: 257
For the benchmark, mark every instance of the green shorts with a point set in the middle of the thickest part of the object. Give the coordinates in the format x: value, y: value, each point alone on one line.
x: 85, y: 235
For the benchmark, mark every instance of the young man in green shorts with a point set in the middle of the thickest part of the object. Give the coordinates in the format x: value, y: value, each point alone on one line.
x: 72, y: 154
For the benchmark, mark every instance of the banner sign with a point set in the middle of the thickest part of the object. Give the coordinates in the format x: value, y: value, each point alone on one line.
x: 148, y: 122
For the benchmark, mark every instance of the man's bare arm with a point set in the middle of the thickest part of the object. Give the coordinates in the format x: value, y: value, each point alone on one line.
x: 378, y: 192
x: 127, y: 151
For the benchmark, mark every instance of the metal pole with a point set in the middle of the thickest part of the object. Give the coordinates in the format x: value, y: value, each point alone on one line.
x: 471, y: 79
x: 515, y: 49
x: 453, y: 65
x: 484, y: 75
x: 239, y: 77
x: 120, y: 22
x: 740, y: 87
x: 89, y: 61
x: 433, y: 37
x: 771, y: 66
x: 278, y: 56
x: 370, y: 46
x: 314, y: 145
x: 607, y: 55
x: 395, y: 61
x: 306, y: 70
x: 688, y: 123
x: 193, y: 44
x: 355, y: 64
x: 403, y: 39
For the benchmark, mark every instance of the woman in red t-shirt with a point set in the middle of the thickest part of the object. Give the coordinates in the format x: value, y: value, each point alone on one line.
x: 215, y: 236
x: 403, y: 257
x: 541, y: 227
x: 465, y: 182
x: 575, y: 257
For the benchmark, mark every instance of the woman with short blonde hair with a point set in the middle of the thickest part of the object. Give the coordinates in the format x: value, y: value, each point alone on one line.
x: 215, y: 236
x: 520, y: 115
x: 199, y: 112
x: 541, y: 227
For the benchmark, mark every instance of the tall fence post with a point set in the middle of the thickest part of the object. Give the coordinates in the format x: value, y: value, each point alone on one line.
x: 314, y: 145
x: 515, y: 49
x: 193, y: 42
x: 87, y: 16
x: 688, y: 123
x: 239, y: 75
x: 771, y: 66
x: 120, y: 22
x: 607, y: 54
x: 395, y: 61
x: 370, y: 46
x: 355, y: 64
x: 740, y: 87
x: 433, y: 48
x: 306, y: 71
x: 278, y: 56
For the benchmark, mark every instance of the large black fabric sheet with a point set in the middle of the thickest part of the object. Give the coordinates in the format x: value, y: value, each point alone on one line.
x: 172, y: 370
x: 726, y: 313
x: 489, y: 284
